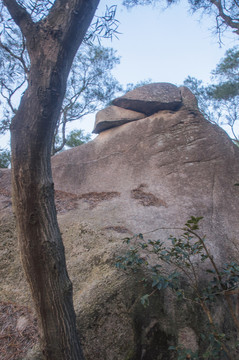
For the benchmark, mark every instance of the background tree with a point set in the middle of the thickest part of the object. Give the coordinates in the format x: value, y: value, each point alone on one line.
x: 219, y: 102
x: 75, y: 138
x: 90, y: 84
x: 50, y: 33
x: 5, y: 158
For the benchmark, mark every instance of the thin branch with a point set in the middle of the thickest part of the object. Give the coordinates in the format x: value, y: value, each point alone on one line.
x: 233, y: 132
x: 210, y: 319
x: 208, y: 254
x: 19, y: 58
x: 227, y: 297
x: 237, y: 3
x: 63, y: 142
x: 11, y: 93
x: 194, y: 273
x: 26, y: 69
x: 8, y: 99
x: 227, y: 19
x: 16, y: 89
x: 232, y: 312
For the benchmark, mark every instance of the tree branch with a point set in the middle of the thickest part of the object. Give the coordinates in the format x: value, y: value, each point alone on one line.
x: 19, y: 58
x: 227, y: 19
x: 55, y: 148
x: 11, y: 94
x: 21, y: 17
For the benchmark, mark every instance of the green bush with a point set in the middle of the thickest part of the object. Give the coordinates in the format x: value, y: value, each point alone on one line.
x: 5, y: 158
x: 183, y: 258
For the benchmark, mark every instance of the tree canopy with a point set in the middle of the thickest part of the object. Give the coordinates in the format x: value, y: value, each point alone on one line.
x: 89, y: 86
x: 219, y: 101
x: 5, y: 158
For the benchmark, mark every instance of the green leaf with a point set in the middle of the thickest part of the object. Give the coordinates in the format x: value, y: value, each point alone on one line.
x: 145, y: 300
x: 172, y: 348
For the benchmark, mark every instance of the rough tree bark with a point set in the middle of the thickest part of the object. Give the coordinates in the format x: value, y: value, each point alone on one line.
x: 52, y: 44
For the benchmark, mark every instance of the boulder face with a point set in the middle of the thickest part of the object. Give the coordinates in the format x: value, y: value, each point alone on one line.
x: 147, y: 174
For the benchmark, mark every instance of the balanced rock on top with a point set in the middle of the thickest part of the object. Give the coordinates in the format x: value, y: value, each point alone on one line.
x: 113, y: 116
x: 151, y: 98
x: 143, y: 102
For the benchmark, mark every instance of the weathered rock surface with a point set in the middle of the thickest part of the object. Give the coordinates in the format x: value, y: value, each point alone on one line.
x: 114, y: 116
x: 153, y: 173
x: 151, y: 98
x: 188, y: 99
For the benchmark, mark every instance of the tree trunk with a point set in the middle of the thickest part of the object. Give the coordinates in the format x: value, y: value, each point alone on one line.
x: 52, y: 45
x: 42, y: 250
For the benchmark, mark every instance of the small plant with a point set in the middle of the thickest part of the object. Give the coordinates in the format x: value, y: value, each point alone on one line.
x: 5, y: 158
x: 183, y: 258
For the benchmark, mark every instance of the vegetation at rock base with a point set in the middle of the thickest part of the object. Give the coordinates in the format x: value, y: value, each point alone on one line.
x: 5, y: 158
x: 179, y: 267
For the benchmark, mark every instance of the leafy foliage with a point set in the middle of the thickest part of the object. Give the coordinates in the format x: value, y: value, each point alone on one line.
x: 179, y: 264
x: 219, y: 102
x: 5, y: 158
x: 105, y: 26
x: 90, y: 84
x: 76, y: 138
x: 131, y: 86
x: 132, y: 3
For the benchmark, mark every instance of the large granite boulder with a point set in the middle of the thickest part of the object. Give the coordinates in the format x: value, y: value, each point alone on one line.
x: 152, y: 173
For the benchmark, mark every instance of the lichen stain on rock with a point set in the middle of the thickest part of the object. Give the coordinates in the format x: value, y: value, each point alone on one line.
x: 94, y: 198
x: 146, y: 198
x: 66, y: 201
